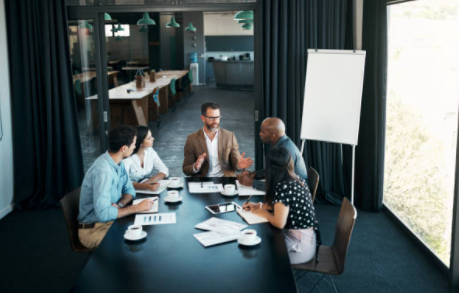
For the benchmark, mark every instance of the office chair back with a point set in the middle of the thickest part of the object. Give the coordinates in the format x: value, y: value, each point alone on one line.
x: 313, y: 182
x: 343, y: 232
x: 70, y: 206
x: 172, y: 87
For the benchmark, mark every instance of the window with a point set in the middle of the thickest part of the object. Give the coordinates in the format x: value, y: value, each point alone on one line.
x: 422, y: 118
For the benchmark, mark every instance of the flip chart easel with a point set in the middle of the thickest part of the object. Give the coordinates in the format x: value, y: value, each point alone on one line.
x: 332, y: 98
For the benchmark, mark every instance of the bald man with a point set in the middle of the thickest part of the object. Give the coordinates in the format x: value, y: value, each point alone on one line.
x: 273, y: 132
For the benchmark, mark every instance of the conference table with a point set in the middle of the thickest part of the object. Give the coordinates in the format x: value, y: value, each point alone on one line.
x: 170, y: 259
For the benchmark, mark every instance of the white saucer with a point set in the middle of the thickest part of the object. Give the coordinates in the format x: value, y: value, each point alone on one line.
x: 128, y: 237
x: 167, y: 199
x: 178, y: 186
x: 257, y: 241
x: 230, y: 195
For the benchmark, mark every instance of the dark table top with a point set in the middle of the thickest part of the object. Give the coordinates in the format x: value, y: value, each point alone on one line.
x: 170, y: 259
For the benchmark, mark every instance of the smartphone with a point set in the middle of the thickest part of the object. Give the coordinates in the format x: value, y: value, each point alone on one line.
x: 223, y: 208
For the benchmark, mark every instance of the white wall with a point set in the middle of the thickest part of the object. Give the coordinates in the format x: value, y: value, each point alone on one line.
x: 223, y: 25
x: 6, y: 144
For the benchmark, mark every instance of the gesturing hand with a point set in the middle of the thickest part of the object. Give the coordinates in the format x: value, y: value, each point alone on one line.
x: 199, y: 161
x: 244, y: 163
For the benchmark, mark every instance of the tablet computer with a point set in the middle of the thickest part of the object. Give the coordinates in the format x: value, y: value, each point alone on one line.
x: 223, y: 207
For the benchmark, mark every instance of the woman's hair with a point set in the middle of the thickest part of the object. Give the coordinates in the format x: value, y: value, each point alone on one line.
x: 142, y: 132
x: 279, y: 168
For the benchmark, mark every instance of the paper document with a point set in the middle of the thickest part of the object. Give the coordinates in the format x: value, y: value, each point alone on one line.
x: 219, y: 225
x: 213, y: 238
x: 204, y: 187
x: 155, y: 219
x: 250, y: 217
x: 248, y: 190
x: 162, y: 186
x: 154, y: 208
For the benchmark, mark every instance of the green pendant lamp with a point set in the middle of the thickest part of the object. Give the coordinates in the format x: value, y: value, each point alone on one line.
x: 107, y: 16
x: 190, y: 28
x: 146, y: 20
x: 172, y: 23
x: 246, y: 14
x: 247, y: 26
x: 245, y: 21
x: 119, y: 28
x: 114, y: 29
x: 118, y: 38
x: 143, y: 29
x: 85, y: 24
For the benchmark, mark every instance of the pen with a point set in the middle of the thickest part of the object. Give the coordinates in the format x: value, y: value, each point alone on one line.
x: 248, y: 199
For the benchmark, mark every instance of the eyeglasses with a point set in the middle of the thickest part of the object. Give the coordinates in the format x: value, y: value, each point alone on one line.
x: 213, y: 118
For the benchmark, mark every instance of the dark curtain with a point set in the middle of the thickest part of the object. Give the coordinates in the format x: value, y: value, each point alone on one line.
x: 47, y: 151
x: 289, y: 28
x: 369, y: 163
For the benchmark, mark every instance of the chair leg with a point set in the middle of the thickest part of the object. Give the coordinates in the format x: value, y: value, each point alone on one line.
x: 332, y: 281
x: 317, y: 282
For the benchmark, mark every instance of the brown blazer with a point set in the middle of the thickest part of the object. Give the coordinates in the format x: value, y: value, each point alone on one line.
x: 228, y: 153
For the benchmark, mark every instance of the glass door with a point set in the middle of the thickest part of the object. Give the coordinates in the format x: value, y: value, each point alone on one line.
x: 87, y: 93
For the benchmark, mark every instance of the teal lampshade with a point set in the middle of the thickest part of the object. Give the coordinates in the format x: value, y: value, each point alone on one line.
x: 143, y: 29
x: 190, y: 28
x: 119, y: 28
x: 118, y: 38
x: 146, y: 20
x: 85, y: 24
x: 107, y: 16
x: 247, y: 26
x: 172, y: 23
x: 114, y: 29
x: 245, y: 21
x: 246, y: 14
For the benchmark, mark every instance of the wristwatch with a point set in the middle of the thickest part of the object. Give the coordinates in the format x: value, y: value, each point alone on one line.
x: 120, y: 204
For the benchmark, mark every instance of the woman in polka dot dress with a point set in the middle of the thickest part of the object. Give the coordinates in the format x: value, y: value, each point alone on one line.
x: 288, y: 205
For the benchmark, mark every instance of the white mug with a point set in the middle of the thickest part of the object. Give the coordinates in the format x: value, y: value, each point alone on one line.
x: 230, y: 188
x: 134, y: 231
x: 172, y: 194
x: 248, y: 236
x: 174, y: 182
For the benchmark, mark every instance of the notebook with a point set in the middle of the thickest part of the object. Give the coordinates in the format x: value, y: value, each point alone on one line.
x: 251, y: 218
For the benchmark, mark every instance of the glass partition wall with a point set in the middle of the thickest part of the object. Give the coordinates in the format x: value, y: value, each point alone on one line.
x: 422, y: 119
x: 83, y: 61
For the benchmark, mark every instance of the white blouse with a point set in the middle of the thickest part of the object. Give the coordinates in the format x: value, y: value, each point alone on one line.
x: 151, y: 161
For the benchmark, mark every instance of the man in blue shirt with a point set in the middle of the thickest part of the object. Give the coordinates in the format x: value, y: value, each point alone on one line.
x: 107, y: 189
x: 272, y: 132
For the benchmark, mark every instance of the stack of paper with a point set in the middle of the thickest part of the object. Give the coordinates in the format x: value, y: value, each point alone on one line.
x: 204, y: 187
x: 250, y: 217
x: 220, y: 231
x: 248, y: 190
x: 154, y: 208
x: 162, y: 186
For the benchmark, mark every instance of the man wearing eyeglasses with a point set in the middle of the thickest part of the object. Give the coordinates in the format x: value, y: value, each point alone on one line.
x: 213, y: 151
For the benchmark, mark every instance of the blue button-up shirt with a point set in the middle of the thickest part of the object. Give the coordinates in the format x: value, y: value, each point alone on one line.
x: 104, y: 184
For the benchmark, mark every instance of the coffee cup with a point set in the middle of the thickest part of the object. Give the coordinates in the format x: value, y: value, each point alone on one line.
x: 248, y: 236
x: 230, y: 188
x: 174, y: 182
x: 172, y: 195
x: 134, y: 231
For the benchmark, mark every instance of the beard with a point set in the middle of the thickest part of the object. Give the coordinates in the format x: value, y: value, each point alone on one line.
x: 213, y: 126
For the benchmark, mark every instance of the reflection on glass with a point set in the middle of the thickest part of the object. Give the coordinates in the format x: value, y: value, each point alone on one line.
x: 422, y: 115
x: 82, y: 54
